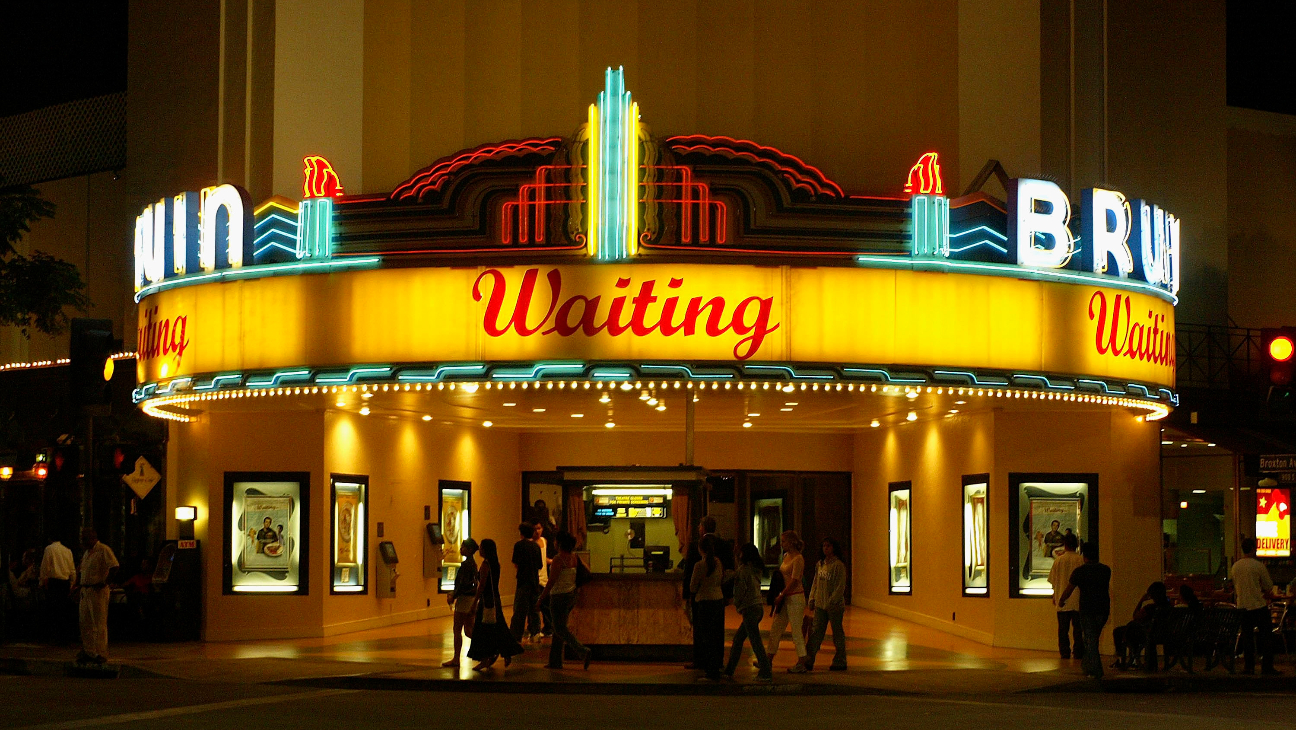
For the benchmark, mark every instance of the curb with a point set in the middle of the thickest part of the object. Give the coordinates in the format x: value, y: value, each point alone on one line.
x: 732, y: 689
x: 58, y: 668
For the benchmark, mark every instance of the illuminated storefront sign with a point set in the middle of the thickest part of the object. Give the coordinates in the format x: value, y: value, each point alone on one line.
x: 184, y: 234
x: 1273, y: 523
x: 681, y: 312
x: 1039, y: 236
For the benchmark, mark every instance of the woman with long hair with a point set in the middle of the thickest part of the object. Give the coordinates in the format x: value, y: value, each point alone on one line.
x: 707, y: 587
x: 751, y: 607
x: 561, y: 594
x: 462, y: 598
x: 491, y: 638
x: 789, y: 605
x: 828, y: 604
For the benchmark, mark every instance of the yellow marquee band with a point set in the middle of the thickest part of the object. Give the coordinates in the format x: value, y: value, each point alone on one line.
x: 641, y: 312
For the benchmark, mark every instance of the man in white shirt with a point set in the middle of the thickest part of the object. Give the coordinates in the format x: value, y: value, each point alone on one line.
x: 97, y: 565
x: 1254, y: 587
x: 57, y: 575
x: 1068, y: 612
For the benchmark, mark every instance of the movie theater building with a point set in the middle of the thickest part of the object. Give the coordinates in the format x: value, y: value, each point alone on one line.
x: 635, y: 330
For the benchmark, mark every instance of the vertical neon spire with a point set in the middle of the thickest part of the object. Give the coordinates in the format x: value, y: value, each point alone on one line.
x: 614, y: 171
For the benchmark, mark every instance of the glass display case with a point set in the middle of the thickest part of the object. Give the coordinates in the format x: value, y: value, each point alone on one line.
x: 350, y: 570
x: 1042, y: 509
x: 266, y: 545
x: 453, y: 501
x: 900, y: 496
x: 976, y: 558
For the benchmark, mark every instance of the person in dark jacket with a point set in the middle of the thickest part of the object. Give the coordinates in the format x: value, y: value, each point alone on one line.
x: 528, y: 560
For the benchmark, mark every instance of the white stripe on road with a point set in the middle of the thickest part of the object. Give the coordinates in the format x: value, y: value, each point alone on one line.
x: 186, y: 710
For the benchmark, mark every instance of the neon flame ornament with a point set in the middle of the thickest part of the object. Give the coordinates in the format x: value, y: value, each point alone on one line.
x: 925, y: 177
x: 320, y: 179
x: 613, y: 171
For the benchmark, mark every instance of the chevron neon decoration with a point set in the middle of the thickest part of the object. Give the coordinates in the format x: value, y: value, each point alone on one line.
x: 613, y: 171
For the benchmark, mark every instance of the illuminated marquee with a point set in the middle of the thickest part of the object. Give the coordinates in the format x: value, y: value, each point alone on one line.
x: 1273, y: 523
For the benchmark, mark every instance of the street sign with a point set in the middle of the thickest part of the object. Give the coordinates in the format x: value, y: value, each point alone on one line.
x: 143, y: 479
x: 1278, y: 463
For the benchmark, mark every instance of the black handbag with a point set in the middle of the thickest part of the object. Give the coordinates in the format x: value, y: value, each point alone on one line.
x: 777, y: 584
x: 583, y: 574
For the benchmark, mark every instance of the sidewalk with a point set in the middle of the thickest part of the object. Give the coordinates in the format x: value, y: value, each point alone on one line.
x: 886, y: 656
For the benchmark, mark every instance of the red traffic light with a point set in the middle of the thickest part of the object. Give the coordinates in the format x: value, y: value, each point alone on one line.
x: 1281, y: 348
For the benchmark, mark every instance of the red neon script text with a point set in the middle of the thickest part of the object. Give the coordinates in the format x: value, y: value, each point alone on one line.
x: 1118, y: 335
x: 624, y: 313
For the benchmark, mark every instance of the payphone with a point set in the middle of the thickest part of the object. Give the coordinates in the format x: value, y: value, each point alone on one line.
x: 386, y: 573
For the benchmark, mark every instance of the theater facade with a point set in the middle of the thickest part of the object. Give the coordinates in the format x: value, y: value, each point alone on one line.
x: 620, y: 332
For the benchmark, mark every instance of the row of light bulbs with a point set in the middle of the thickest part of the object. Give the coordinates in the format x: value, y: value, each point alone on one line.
x: 1155, y: 411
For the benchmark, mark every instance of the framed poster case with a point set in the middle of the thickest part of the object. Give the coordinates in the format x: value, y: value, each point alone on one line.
x: 899, y: 508
x: 1042, y: 508
x: 267, y: 533
x: 453, y: 505
x: 348, y: 543
x: 976, y: 543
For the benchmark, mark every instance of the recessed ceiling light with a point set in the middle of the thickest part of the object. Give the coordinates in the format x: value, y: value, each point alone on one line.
x: 1199, y: 491
x: 912, y: 416
x: 661, y: 406
x: 792, y: 403
x: 746, y: 424
x: 605, y: 398
x: 366, y: 396
x: 953, y: 411
x: 652, y: 401
x: 1167, y: 443
x: 427, y: 418
x: 959, y: 402
x: 609, y: 424
x: 364, y: 411
x: 911, y: 394
x: 509, y: 405
x: 487, y: 424
x: 340, y: 404
x: 537, y: 410
x: 578, y: 415
x: 470, y: 387
x: 785, y: 409
x: 753, y: 415
x: 875, y: 423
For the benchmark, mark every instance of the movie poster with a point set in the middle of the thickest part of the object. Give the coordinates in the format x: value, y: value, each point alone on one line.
x: 901, y: 578
x: 976, y: 578
x: 265, y: 539
x: 349, y: 531
x: 1042, y: 513
x: 454, y: 530
x: 1051, y: 519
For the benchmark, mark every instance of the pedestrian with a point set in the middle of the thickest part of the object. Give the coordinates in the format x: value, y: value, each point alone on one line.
x: 491, y: 639
x: 750, y: 606
x: 1254, y: 590
x: 1068, y: 612
x: 708, y: 609
x: 1093, y: 580
x: 57, y: 576
x: 462, y: 597
x: 528, y: 561
x: 706, y: 526
x: 1145, y: 629
x: 828, y: 605
x: 97, y: 565
x: 789, y: 605
x: 561, y: 594
x: 538, y: 536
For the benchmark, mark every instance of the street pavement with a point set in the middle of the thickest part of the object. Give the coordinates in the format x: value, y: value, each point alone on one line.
x: 902, y: 675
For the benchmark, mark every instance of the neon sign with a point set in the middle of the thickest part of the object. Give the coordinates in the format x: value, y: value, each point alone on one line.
x: 183, y: 235
x: 1039, y: 233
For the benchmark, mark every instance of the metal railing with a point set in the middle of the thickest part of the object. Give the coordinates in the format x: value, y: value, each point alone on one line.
x: 1209, y: 356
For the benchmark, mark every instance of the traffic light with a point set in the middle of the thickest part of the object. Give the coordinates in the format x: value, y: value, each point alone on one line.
x: 91, y: 347
x: 1280, y: 350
